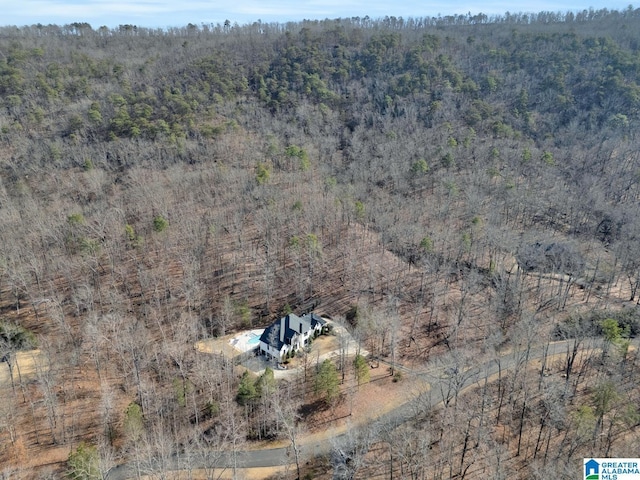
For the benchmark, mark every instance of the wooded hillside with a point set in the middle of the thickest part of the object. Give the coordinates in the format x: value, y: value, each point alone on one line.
x: 451, y: 188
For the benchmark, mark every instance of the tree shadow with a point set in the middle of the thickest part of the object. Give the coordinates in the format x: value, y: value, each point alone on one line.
x: 309, y: 409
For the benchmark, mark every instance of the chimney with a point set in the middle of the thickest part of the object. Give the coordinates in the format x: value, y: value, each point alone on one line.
x: 283, y: 322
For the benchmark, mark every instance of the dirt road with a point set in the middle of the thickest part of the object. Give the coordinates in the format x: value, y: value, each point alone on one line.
x: 440, y: 383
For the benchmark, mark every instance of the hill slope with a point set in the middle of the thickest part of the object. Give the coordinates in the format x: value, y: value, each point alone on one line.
x: 448, y: 185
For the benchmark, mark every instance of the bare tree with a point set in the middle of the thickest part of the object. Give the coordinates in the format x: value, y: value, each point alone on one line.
x: 286, y: 406
x: 349, y: 453
x: 452, y: 371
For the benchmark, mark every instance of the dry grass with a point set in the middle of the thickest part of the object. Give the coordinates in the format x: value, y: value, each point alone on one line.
x: 27, y: 366
x: 226, y: 474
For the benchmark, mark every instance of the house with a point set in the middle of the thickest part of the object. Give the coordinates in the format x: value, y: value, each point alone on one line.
x: 592, y: 469
x: 289, y: 334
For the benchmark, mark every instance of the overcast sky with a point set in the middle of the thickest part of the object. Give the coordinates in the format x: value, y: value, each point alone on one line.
x: 176, y: 13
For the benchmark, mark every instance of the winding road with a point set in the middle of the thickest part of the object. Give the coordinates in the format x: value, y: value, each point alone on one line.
x: 441, y: 386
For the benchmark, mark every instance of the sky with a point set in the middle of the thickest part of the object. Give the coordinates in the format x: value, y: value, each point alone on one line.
x: 178, y: 13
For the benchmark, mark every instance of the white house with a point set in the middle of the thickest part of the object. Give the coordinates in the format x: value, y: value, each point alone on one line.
x: 289, y: 334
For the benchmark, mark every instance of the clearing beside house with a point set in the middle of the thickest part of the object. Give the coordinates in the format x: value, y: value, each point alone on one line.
x: 243, y: 348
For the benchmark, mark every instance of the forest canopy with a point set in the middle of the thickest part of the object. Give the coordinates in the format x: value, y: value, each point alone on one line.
x: 452, y: 187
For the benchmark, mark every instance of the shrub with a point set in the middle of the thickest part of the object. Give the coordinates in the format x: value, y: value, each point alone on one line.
x: 426, y: 244
x: 89, y: 246
x: 360, y: 210
x: 83, y: 463
x: 75, y: 219
x: 182, y: 389
x: 17, y: 337
x: 361, y: 369
x: 212, y: 408
x: 327, y: 381
x: 160, y: 223
x: 133, y: 421
x: 134, y: 239
x: 246, y: 390
x: 262, y: 173
x: 243, y: 311
x: 420, y: 167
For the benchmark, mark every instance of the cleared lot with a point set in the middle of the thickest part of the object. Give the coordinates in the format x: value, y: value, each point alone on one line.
x: 26, y: 366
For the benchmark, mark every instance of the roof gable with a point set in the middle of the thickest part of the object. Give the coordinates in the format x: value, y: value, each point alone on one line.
x: 282, y: 331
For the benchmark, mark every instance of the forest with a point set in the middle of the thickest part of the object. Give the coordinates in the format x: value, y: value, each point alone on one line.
x: 459, y: 193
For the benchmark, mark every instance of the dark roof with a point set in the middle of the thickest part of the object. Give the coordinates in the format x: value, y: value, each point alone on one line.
x: 272, y: 332
x: 316, y: 320
x: 292, y: 325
